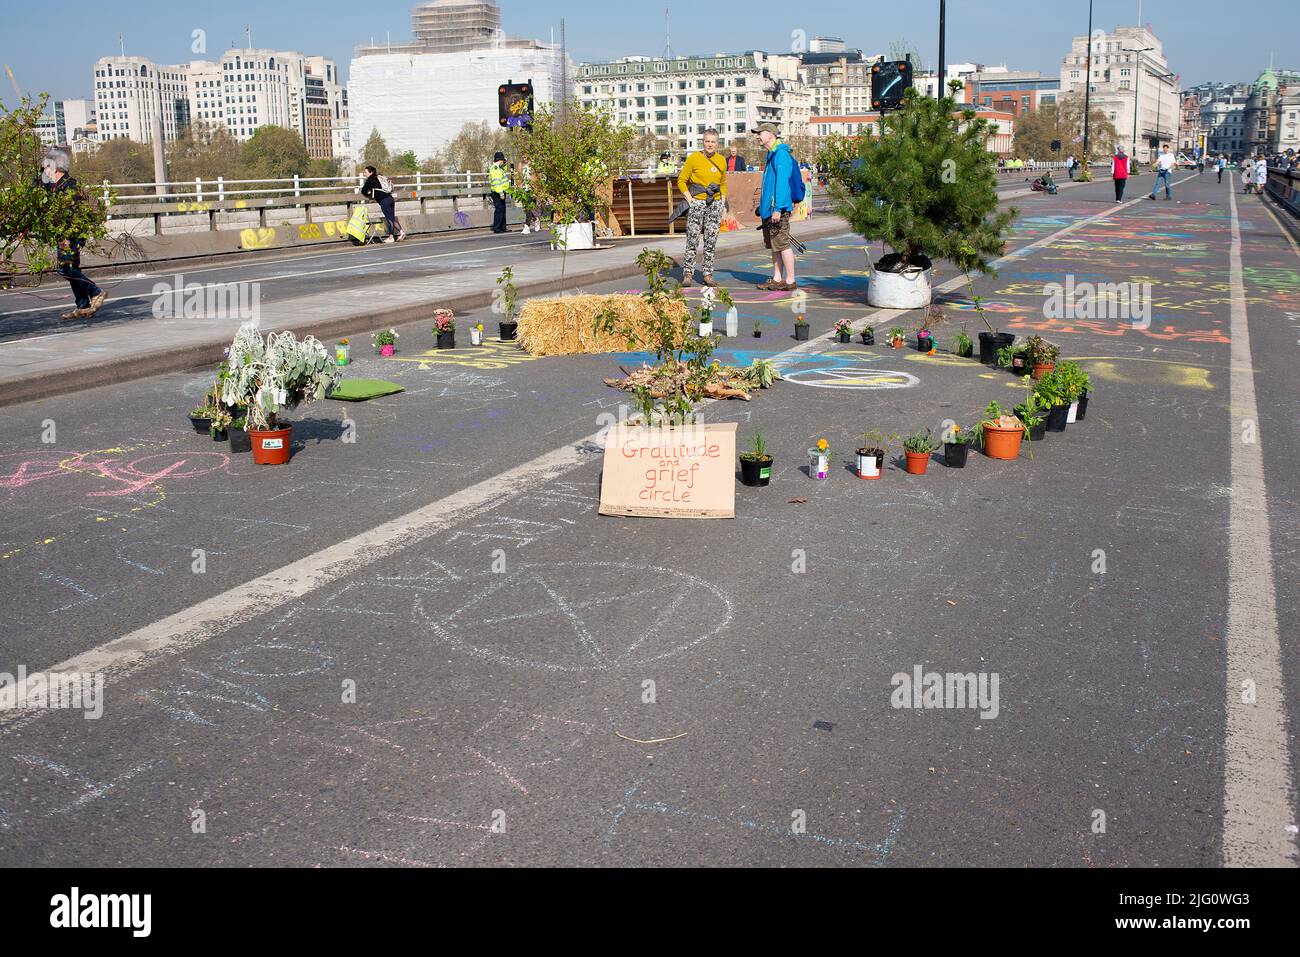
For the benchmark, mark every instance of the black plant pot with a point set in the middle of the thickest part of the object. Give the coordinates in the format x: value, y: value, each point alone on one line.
x: 1056, y: 419
x: 988, y: 348
x: 509, y: 331
x: 240, y: 442
x: 1083, y: 408
x: 965, y: 352
x: 801, y: 332
x: 446, y: 340
x: 868, y: 338
x: 1021, y: 366
x: 924, y: 344
x: 846, y: 337
x: 201, y: 425
x: 758, y: 333
x: 954, y: 454
x: 1038, y: 432
x: 756, y: 474
x: 221, y: 436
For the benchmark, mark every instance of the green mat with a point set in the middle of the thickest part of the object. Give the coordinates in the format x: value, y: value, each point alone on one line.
x: 362, y: 390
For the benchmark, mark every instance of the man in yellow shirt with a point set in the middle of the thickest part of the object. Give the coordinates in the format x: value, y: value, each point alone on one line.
x: 703, y: 181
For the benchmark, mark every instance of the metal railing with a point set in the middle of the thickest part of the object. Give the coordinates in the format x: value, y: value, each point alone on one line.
x: 221, y: 189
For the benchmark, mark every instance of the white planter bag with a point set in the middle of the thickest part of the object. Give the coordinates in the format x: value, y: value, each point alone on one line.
x: 578, y: 236
x: 909, y: 289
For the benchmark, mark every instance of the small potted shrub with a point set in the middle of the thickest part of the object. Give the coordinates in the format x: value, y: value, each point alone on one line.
x: 1013, y: 357
x: 385, y: 342
x: 756, y: 464
x: 844, y: 329
x: 1053, y: 394
x: 1032, y: 413
x: 963, y: 346
x: 221, y: 422
x: 800, y: 327
x: 1000, y: 434
x: 896, y: 339
x: 869, y: 463
x: 201, y: 419
x: 869, y: 336
x: 956, y: 447
x: 1078, y: 385
x: 758, y: 328
x: 239, y: 439
x: 444, y: 327
x: 924, y: 341
x: 507, y: 303
x: 918, y: 448
x: 819, y: 461
x: 1041, y: 355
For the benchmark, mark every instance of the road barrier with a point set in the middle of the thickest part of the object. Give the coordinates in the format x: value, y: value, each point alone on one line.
x: 1284, y: 186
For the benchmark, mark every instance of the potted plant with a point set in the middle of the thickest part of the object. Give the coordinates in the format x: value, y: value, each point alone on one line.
x: 758, y: 328
x: 819, y: 461
x: 869, y: 336
x: 889, y: 191
x: 444, y: 327
x: 1078, y: 385
x: 756, y: 464
x: 918, y: 448
x: 869, y: 463
x: 844, y: 329
x: 992, y: 342
x: 800, y: 327
x: 506, y: 303
x: 201, y: 419
x: 896, y: 339
x: 1053, y: 394
x: 268, y: 376
x: 385, y: 342
x: 239, y: 440
x: 924, y: 341
x: 963, y: 346
x: 1013, y: 357
x: 221, y: 422
x: 1033, y: 414
x: 476, y: 334
x: 956, y: 447
x: 1040, y: 355
x: 342, y: 351
x: 1000, y: 434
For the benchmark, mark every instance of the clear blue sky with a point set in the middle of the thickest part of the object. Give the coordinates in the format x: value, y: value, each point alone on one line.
x: 51, y: 47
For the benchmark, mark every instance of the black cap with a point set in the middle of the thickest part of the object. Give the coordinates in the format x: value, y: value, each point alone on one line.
x: 499, y: 158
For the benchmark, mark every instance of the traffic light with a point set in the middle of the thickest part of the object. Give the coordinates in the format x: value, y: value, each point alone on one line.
x: 889, y: 81
x: 515, y: 105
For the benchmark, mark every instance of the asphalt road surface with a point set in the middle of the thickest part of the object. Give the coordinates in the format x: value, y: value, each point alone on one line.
x: 418, y: 644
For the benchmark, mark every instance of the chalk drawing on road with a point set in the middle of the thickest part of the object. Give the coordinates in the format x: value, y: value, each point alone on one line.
x: 859, y: 378
x: 493, y: 354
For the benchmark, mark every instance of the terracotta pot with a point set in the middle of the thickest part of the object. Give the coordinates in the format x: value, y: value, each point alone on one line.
x: 271, y: 447
x: 896, y: 344
x: 1003, y: 443
x: 1042, y: 368
x: 917, y: 462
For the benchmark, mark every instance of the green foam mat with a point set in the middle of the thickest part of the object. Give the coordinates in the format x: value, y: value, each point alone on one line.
x: 362, y: 390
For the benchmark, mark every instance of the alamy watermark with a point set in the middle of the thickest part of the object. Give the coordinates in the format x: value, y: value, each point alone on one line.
x: 66, y: 690
x: 1130, y: 301
x: 241, y: 301
x: 926, y: 691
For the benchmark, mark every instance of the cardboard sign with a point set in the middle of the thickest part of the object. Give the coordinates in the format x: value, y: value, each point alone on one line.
x: 687, y: 472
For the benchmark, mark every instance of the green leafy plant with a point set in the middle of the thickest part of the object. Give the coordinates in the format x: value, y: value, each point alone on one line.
x: 799, y: 320
x: 1052, y: 390
x: 1038, y: 351
x: 762, y: 372
x: 994, y: 416
x: 385, y: 337
x: 877, y: 441
x: 963, y: 344
x: 958, y: 436
x: 921, y: 442
x: 506, y: 303
x: 757, y: 450
x: 1074, y: 380
x: 758, y: 325
x: 896, y: 333
x: 268, y: 376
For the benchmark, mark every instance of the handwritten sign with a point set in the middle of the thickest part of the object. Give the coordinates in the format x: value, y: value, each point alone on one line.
x: 687, y: 472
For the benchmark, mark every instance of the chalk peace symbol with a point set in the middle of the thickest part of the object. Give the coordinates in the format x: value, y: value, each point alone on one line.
x: 853, y: 377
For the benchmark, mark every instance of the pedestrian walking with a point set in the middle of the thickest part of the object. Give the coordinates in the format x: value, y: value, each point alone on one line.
x: 1220, y: 166
x: 1119, y: 172
x: 55, y: 169
x: 1164, y: 173
x: 380, y: 189
x: 498, y: 183
x: 1069, y: 167
x: 736, y: 162
x: 1261, y: 174
x: 703, y: 181
x: 782, y: 188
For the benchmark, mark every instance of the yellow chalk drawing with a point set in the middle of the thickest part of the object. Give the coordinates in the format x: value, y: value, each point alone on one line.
x: 241, y: 204
x: 940, y: 359
x: 1178, y: 374
x: 493, y: 354
x: 193, y: 207
x: 256, y: 238
x: 309, y: 231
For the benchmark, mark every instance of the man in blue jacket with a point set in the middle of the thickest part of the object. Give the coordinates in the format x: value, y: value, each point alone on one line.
x: 776, y: 205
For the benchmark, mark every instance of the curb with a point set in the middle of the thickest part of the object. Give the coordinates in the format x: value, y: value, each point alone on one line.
x: 46, y: 385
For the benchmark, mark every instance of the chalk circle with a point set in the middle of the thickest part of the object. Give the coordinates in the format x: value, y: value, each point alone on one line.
x: 853, y: 377
x: 599, y: 616
x: 245, y: 661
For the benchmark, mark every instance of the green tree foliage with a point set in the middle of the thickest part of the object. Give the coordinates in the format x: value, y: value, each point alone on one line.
x: 116, y: 161
x: 375, y: 152
x: 275, y: 153
x: 925, y: 186
x: 205, y: 152
x: 1063, y: 121
x: 36, y: 221
x: 474, y: 146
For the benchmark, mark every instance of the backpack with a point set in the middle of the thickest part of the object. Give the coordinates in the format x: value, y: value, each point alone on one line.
x: 385, y: 184
x: 797, y: 188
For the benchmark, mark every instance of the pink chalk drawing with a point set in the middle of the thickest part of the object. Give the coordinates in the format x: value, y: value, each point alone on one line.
x: 134, y: 476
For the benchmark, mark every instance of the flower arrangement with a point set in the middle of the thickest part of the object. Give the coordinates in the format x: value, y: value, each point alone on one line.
x: 444, y: 321
x: 387, y: 337
x: 799, y: 320
x: 958, y: 436
x: 844, y: 327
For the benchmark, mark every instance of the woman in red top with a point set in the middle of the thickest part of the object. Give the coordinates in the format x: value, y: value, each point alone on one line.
x: 1119, y: 170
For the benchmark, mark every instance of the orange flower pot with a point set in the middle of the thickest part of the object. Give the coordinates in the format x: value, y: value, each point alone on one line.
x: 271, y: 447
x: 1002, y: 443
x: 917, y: 462
x: 1041, y: 369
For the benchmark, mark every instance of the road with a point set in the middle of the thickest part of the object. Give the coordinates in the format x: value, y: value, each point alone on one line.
x: 419, y: 645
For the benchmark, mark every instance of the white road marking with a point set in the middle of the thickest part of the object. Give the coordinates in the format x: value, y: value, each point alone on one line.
x: 1258, y: 793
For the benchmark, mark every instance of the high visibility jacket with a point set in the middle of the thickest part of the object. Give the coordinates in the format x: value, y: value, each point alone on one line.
x: 499, y: 178
x: 359, y: 225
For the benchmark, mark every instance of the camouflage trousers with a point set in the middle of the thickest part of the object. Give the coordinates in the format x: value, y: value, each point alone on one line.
x: 703, y: 218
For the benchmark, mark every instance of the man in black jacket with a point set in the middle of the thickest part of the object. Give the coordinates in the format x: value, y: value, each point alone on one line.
x: 55, y: 179
x: 735, y: 162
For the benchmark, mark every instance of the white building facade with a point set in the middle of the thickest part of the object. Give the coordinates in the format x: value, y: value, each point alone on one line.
x: 131, y: 91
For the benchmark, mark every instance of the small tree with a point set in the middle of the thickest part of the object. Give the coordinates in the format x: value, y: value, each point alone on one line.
x: 925, y: 186
x: 34, y: 221
x: 276, y: 153
x: 570, y: 158
x: 375, y: 152
x: 472, y: 149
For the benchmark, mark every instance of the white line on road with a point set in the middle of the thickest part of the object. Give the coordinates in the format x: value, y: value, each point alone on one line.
x: 1258, y: 794
x: 243, y: 603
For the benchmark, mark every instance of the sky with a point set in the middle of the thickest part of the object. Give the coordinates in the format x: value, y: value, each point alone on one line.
x: 51, y: 48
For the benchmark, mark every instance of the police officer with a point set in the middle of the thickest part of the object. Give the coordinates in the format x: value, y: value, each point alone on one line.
x: 499, y: 182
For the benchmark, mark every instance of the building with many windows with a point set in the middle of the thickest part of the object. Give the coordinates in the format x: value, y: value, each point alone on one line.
x: 1131, y: 84
x: 1011, y: 91
x: 1223, y: 117
x: 678, y: 99
x: 131, y: 91
x: 68, y: 123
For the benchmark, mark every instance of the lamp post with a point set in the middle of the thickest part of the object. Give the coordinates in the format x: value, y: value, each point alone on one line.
x: 943, y: 38
x: 1160, y: 102
x: 1137, y: 79
x: 1087, y: 95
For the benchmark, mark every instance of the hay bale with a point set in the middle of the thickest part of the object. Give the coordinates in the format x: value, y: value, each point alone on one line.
x: 567, y: 326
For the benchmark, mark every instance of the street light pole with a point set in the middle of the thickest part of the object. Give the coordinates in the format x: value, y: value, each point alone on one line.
x: 1137, y: 80
x: 943, y: 37
x: 1087, y: 95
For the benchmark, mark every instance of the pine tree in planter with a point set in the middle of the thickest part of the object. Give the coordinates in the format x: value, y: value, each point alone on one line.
x: 925, y: 187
